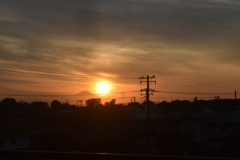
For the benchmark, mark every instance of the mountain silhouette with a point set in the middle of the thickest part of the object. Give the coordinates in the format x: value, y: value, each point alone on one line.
x: 86, y: 93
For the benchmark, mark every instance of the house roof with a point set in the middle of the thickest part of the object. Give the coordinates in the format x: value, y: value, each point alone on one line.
x: 138, y: 113
x: 12, y: 126
x: 212, y: 118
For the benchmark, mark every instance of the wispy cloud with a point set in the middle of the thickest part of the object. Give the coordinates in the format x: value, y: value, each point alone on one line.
x: 185, y: 40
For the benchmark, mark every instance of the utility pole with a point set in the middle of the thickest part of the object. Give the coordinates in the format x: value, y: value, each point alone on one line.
x: 122, y: 97
x: 148, y: 89
x: 80, y: 102
x: 235, y: 97
x: 235, y: 93
x: 134, y: 99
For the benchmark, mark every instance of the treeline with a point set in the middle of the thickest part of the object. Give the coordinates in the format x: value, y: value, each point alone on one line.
x: 56, y: 105
x: 212, y: 104
x: 35, y: 105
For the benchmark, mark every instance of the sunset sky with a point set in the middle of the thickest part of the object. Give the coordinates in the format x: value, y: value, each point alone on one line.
x: 65, y: 47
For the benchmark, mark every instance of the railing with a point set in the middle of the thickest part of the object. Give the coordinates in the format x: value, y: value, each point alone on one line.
x: 43, y: 155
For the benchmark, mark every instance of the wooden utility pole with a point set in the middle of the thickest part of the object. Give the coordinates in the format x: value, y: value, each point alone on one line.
x: 148, y: 89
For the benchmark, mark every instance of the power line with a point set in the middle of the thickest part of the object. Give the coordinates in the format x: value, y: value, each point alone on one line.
x: 60, y: 95
x: 197, y: 93
x: 134, y: 91
x: 125, y: 92
x: 162, y: 98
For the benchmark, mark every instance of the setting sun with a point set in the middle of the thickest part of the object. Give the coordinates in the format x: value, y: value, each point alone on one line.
x: 103, y: 88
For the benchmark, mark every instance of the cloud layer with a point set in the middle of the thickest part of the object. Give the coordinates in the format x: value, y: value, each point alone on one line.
x: 189, y: 45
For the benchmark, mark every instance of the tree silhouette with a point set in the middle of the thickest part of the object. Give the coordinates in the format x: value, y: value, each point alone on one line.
x: 66, y: 106
x: 216, y: 97
x: 56, y: 105
x: 39, y: 105
x: 9, y: 102
x: 111, y: 103
x: 195, y: 99
x: 93, y: 102
x: 134, y: 104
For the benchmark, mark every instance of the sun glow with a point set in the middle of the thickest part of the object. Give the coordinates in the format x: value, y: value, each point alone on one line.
x: 103, y: 88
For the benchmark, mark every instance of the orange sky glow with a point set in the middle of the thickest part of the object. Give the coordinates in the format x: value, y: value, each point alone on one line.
x: 49, y: 49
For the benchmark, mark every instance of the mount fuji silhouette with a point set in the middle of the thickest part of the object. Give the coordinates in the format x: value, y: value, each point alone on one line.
x: 86, y: 94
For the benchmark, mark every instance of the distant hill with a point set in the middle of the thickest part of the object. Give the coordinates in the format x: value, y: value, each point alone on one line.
x: 85, y: 94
